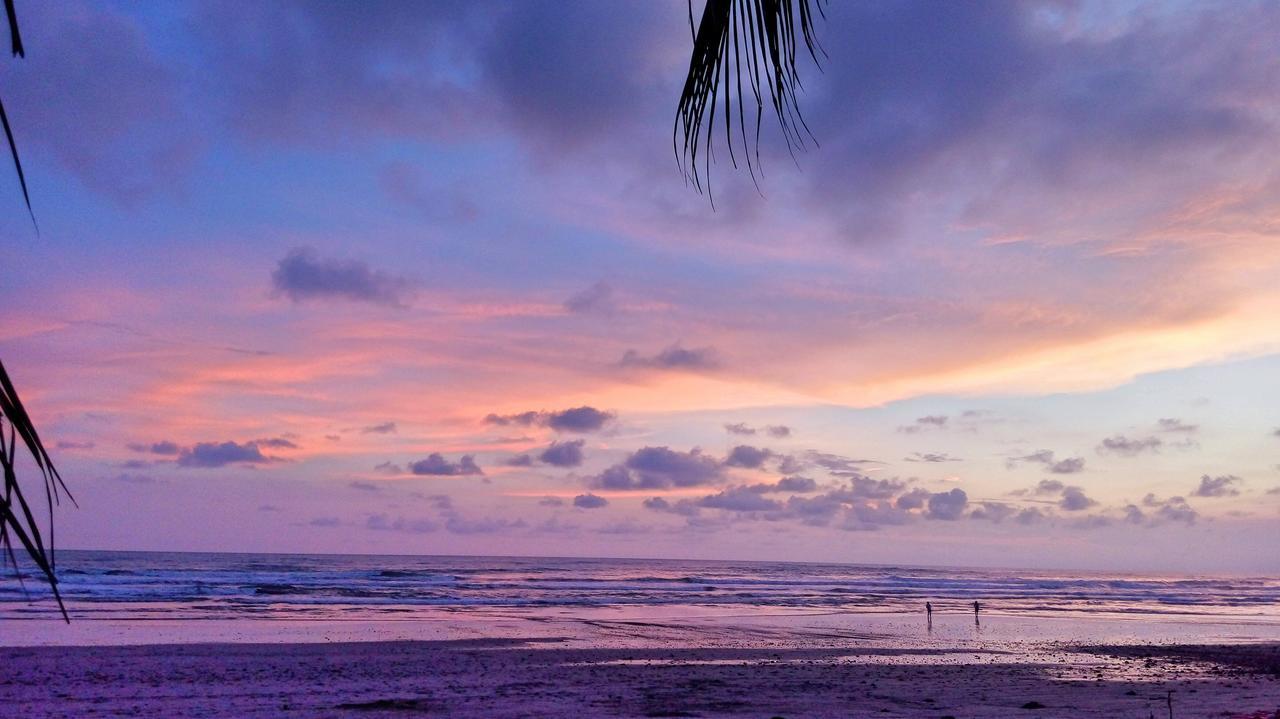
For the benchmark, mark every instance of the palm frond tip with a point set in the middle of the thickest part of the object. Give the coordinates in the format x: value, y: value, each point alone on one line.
x: 758, y: 39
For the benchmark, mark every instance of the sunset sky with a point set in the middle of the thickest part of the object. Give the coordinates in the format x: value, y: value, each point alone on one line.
x: 338, y: 277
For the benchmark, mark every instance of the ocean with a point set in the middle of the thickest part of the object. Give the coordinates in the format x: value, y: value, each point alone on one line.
x: 170, y: 590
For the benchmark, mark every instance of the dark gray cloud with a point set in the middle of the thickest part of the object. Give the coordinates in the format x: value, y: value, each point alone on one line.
x: 435, y: 465
x: 576, y: 420
x: 563, y: 454
x: 1123, y: 446
x: 220, y: 454
x: 384, y: 428
x: 748, y: 457
x: 1222, y: 486
x: 519, y: 460
x: 303, y: 275
x: 947, y: 505
x: 1171, y: 424
x: 740, y: 428
x: 597, y: 298
x: 778, y: 431
x: 675, y: 357
x: 590, y: 501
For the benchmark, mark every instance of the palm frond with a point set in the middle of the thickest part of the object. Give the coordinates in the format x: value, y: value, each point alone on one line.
x: 16, y: 518
x: 758, y: 39
x: 15, y: 39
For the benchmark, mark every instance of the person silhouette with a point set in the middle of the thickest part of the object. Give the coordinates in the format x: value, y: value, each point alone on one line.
x: 976, y: 607
x: 928, y: 608
x: 928, y: 613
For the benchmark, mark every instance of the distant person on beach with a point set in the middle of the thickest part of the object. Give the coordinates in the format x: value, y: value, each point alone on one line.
x: 928, y: 609
x: 976, y: 607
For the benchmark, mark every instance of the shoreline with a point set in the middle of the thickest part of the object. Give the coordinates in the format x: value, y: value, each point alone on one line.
x: 498, y: 677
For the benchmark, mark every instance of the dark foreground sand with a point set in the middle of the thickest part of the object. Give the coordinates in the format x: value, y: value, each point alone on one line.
x: 521, y: 678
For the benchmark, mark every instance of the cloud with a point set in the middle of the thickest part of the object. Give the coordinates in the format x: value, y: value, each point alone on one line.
x: 576, y: 420
x: 519, y: 460
x: 384, y: 428
x: 383, y: 523
x: 660, y: 468
x: 590, y: 501
x: 747, y: 457
x: 388, y: 468
x: 550, y: 502
x: 219, y: 454
x: 914, y: 499
x: 1160, y: 511
x: 931, y: 421
x: 674, y: 358
x: 799, y: 485
x: 364, y: 486
x: 303, y: 275
x: 597, y: 299
x: 461, y: 525
x: 1125, y: 447
x: 739, y: 499
x: 1074, y: 500
x: 1170, y: 424
x: 275, y: 443
x: 778, y: 431
x: 947, y: 505
x: 563, y: 454
x: 135, y: 478
x: 164, y: 448
x: 1068, y: 465
x: 683, y: 507
x: 326, y: 522
x: 993, y: 512
x: 1221, y: 486
x: 436, y: 465
x: 931, y: 457
x: 68, y: 444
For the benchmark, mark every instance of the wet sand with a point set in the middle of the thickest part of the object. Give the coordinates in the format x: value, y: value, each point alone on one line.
x: 548, y: 677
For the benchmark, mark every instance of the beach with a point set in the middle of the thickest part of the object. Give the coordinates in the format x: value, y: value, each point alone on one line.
x: 331, y: 636
x: 513, y: 678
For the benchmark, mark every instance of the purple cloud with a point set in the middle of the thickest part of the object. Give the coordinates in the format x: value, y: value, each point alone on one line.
x: 435, y: 465
x: 303, y: 275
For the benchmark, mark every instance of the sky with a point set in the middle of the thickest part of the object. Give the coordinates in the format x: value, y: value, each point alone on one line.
x: 427, y: 278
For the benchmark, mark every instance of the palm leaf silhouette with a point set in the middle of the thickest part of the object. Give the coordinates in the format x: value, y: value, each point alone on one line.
x: 17, y: 521
x: 758, y: 39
